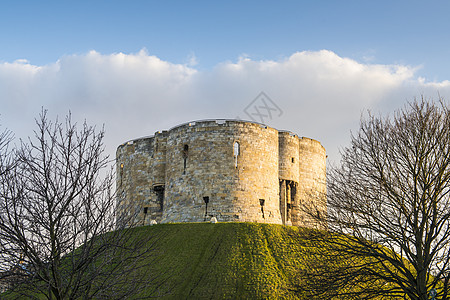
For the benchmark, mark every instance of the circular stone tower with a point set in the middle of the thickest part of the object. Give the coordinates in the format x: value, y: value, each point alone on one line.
x: 236, y: 171
x: 312, y: 181
x: 224, y: 169
x: 288, y: 173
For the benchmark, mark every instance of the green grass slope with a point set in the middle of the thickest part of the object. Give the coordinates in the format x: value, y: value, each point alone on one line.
x: 224, y: 261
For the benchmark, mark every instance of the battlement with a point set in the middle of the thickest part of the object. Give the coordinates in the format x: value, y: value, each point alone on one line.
x: 236, y: 171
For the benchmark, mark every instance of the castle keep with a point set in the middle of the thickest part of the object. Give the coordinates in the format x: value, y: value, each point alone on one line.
x: 234, y: 170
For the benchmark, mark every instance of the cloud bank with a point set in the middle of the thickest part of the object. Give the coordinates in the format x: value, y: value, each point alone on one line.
x: 321, y: 94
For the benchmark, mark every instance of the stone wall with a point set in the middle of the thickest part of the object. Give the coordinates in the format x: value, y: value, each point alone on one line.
x: 234, y: 170
x: 199, y: 165
x: 312, y: 181
x: 233, y: 185
x: 134, y: 169
x: 256, y: 176
x: 288, y: 165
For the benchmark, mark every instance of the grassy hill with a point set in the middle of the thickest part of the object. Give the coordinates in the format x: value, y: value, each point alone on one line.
x: 224, y: 260
x: 217, y: 261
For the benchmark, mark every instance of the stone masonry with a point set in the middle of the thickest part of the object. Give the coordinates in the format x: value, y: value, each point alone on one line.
x: 235, y: 171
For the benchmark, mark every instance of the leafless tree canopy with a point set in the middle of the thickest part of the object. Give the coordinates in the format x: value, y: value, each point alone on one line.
x: 389, y: 210
x: 5, y: 158
x: 57, y: 224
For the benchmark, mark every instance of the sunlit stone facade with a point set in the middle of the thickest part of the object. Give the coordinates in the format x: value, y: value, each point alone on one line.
x: 233, y: 170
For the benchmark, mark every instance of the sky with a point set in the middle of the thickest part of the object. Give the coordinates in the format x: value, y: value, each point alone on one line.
x: 137, y: 67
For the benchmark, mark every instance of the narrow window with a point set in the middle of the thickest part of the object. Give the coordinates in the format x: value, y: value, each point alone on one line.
x: 206, y: 200
x: 293, y: 160
x: 145, y: 215
x: 236, y: 153
x: 261, y: 202
x: 185, y: 156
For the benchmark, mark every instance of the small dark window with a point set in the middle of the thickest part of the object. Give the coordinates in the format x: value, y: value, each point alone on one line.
x: 185, y: 156
x: 261, y: 202
x: 206, y: 200
x: 145, y: 210
x: 293, y: 160
x: 159, y: 190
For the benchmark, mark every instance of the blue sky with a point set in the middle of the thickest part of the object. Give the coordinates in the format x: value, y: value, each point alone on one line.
x: 182, y: 60
x: 407, y: 32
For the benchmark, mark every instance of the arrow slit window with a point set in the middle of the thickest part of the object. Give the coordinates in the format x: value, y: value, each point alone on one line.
x: 236, y: 153
x: 185, y: 156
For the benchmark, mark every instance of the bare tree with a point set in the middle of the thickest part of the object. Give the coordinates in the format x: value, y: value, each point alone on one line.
x: 5, y: 155
x: 388, y: 211
x: 58, y: 235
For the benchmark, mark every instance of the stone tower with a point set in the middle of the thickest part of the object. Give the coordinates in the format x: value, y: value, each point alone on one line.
x: 236, y: 171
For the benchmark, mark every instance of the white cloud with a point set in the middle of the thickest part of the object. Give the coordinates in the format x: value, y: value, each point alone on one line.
x: 321, y: 94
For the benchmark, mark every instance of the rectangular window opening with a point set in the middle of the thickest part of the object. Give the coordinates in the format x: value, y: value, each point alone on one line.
x: 159, y: 191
